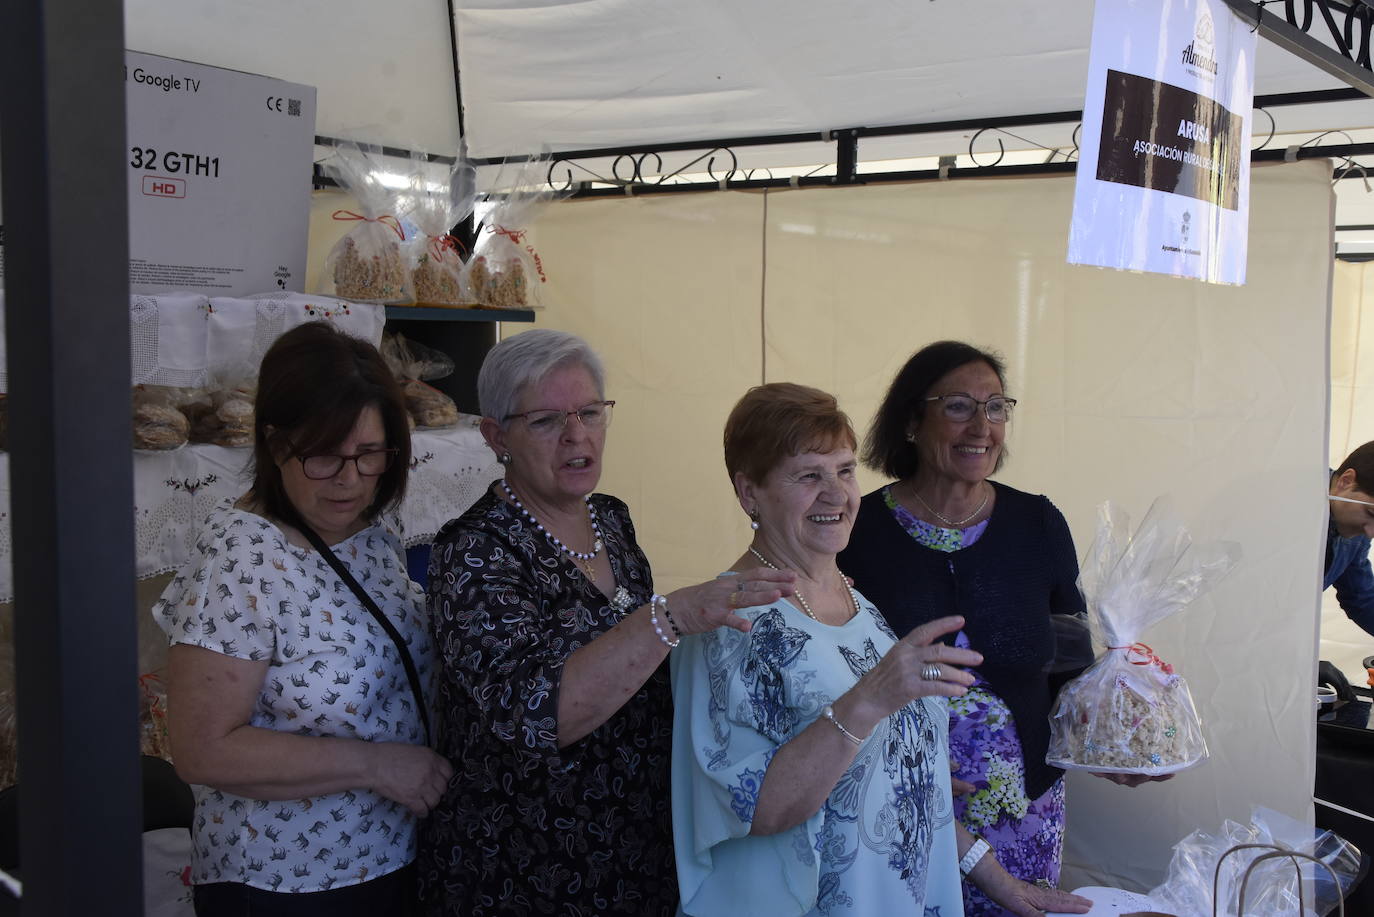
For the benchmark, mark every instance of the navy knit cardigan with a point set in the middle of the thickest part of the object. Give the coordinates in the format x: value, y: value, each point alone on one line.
x: 1006, y: 585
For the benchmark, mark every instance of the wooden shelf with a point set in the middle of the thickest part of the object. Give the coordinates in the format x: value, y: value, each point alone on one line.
x: 430, y: 314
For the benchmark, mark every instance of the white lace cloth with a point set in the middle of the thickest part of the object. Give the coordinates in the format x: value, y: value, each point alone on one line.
x: 174, y: 491
x: 188, y: 340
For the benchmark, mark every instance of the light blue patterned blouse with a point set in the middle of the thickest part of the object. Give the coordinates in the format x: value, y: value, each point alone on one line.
x: 883, y: 843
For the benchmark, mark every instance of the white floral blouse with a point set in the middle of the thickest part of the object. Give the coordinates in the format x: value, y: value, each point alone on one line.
x: 333, y: 671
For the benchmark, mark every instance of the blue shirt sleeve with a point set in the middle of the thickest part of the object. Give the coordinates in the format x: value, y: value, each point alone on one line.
x: 1355, y: 592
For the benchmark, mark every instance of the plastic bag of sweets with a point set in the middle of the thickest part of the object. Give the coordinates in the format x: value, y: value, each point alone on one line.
x: 411, y: 362
x: 368, y: 264
x: 1130, y: 712
x: 158, y: 423
x: 506, y: 271
x: 221, y: 413
x: 441, y: 197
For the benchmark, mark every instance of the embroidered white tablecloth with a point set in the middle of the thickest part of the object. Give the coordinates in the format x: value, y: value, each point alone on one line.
x: 174, y: 491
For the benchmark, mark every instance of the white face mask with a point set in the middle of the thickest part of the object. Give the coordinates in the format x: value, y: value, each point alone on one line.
x: 1348, y: 500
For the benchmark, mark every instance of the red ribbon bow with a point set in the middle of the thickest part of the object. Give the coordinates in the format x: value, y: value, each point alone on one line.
x: 439, y: 244
x: 515, y: 235
x: 1147, y: 656
x: 151, y: 686
x: 385, y: 219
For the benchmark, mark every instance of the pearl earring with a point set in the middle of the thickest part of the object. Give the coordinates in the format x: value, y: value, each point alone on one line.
x: 504, y: 458
x: 754, y: 519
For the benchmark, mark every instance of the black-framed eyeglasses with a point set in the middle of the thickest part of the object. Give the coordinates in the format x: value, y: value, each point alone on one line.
x: 960, y: 407
x: 594, y: 416
x: 369, y: 464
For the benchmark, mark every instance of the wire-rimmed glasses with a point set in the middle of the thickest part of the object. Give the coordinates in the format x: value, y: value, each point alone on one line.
x: 550, y: 423
x: 960, y: 407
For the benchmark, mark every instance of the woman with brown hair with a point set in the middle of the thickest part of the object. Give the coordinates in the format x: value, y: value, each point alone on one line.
x: 300, y: 653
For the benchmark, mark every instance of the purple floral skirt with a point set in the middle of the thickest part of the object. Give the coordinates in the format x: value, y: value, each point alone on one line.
x: 1026, y: 835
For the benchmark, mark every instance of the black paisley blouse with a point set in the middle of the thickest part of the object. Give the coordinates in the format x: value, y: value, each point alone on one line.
x: 526, y: 827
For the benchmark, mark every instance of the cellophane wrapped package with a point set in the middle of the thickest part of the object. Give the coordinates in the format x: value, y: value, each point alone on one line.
x: 506, y: 271
x: 1276, y: 887
x: 222, y: 413
x: 1130, y: 712
x: 368, y: 264
x: 441, y: 197
x: 152, y: 717
x: 159, y: 424
x: 412, y: 362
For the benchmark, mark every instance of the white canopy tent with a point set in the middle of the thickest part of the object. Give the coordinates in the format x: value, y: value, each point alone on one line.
x: 621, y: 73
x: 633, y: 73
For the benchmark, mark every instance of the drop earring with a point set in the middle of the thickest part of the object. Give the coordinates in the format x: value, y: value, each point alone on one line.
x: 754, y: 519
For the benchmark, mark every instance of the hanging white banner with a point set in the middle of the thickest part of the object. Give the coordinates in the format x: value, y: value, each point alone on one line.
x: 1164, y: 164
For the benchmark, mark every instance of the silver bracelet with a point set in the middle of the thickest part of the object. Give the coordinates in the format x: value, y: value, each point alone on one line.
x: 829, y: 713
x: 655, y: 602
x: 974, y: 855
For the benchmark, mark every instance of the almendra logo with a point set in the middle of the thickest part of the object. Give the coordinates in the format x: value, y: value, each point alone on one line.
x: 1201, y: 51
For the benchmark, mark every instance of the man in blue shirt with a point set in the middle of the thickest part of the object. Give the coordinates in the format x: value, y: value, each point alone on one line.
x: 1348, y: 534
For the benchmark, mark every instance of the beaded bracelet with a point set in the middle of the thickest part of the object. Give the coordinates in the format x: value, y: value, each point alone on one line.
x: 655, y: 602
x: 668, y: 616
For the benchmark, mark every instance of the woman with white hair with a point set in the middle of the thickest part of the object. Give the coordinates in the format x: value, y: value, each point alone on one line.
x: 553, y: 693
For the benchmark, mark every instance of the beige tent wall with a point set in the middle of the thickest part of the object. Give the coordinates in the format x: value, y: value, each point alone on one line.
x: 1352, y: 423
x: 1133, y: 386
x: 667, y: 290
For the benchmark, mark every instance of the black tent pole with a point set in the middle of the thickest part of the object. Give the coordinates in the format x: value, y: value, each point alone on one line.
x: 65, y: 187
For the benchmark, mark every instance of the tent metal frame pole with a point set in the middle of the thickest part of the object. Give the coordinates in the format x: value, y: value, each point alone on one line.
x: 1348, y: 62
x: 71, y: 463
x: 838, y: 137
x: 465, y: 231
x: 946, y: 172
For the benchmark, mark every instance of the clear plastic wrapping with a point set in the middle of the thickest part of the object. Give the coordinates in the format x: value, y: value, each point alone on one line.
x: 440, y: 198
x: 159, y: 424
x: 368, y: 264
x: 152, y: 717
x: 222, y: 413
x: 1202, y: 861
x: 412, y: 362
x: 1130, y: 712
x: 506, y: 272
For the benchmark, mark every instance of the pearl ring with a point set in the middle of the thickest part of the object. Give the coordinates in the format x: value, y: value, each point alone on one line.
x: 931, y: 671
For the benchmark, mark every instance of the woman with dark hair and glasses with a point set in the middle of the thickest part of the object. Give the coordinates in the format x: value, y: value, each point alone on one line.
x: 553, y: 685
x: 943, y: 539
x: 301, y: 655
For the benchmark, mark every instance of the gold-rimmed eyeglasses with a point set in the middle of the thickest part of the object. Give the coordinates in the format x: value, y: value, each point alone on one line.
x: 550, y: 423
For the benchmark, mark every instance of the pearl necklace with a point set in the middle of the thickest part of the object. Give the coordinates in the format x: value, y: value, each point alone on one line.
x: 584, y: 558
x: 801, y: 600
x: 947, y: 521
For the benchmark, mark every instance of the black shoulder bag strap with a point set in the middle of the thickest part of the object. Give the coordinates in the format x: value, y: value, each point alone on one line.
x: 382, y: 619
